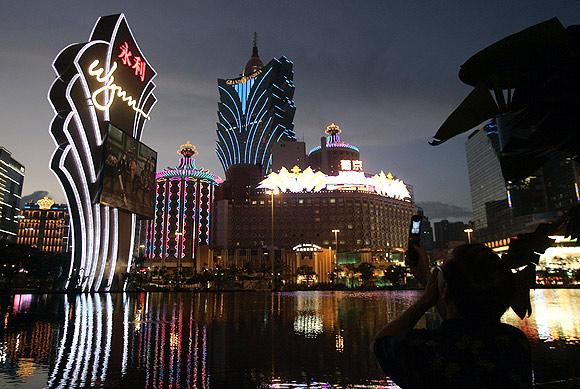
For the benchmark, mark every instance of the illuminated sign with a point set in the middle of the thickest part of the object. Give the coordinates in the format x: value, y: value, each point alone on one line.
x: 109, y: 86
x: 244, y: 79
x: 100, y: 82
x: 296, y: 181
x: 351, y: 165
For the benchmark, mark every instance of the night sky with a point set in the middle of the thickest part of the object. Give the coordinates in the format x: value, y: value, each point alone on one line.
x: 385, y: 71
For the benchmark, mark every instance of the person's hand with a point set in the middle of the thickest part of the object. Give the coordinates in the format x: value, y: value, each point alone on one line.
x: 420, y: 270
x: 431, y: 293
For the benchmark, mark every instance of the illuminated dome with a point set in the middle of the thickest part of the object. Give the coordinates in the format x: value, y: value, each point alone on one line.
x: 333, y: 140
x: 187, y: 167
x: 187, y: 149
x: 332, y: 129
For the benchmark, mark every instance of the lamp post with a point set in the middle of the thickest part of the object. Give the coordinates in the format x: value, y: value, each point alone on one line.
x: 468, y: 231
x: 272, y: 263
x: 336, y: 231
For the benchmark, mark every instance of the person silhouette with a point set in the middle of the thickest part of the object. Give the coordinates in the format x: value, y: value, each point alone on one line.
x: 471, y: 348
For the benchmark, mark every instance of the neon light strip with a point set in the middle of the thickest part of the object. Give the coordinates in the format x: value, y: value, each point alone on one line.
x: 131, y: 247
x: 61, y: 347
x: 89, y: 339
x: 167, y: 221
x: 209, y: 204
x: 194, y: 218
x: 114, y: 249
x: 269, y: 141
x: 236, y: 117
x: 98, y: 338
x: 104, y: 248
x: 73, y: 348
x: 255, y: 125
x: 165, y: 213
x: 259, y: 116
x: 201, y: 197
x: 230, y: 159
x: 577, y: 192
x: 178, y: 220
x: 234, y: 147
x: 96, y: 246
x: 183, y: 230
x: 109, y: 323
x: 264, y: 129
x: 125, y: 335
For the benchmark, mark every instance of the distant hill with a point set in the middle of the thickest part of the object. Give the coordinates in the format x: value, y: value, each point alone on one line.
x: 436, y: 210
x: 33, y: 197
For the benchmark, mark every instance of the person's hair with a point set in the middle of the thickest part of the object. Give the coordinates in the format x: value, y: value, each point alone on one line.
x: 479, y: 283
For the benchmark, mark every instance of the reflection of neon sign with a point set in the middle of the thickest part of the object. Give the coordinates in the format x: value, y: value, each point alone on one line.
x: 112, y: 87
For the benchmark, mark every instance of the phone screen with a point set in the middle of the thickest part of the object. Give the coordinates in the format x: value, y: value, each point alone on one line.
x: 416, y: 227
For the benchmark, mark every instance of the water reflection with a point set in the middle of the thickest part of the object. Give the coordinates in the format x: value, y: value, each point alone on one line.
x: 284, y: 340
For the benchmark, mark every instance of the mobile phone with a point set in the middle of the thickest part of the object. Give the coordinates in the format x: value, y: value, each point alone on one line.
x: 415, y: 229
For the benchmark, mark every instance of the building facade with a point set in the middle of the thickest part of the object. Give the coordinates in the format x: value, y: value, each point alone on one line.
x: 44, y: 225
x: 365, y: 220
x: 486, y: 181
x: 449, y: 233
x: 255, y: 111
x: 502, y: 210
x: 332, y: 151
x: 183, y: 207
x: 11, y: 181
x: 295, y: 206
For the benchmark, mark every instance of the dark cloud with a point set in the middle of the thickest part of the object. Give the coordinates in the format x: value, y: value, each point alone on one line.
x: 386, y: 71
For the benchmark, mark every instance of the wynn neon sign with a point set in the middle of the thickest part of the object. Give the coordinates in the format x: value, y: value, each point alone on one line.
x: 109, y: 86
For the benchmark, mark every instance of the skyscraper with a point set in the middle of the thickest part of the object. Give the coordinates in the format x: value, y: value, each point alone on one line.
x: 11, y: 181
x: 502, y: 210
x: 485, y: 179
x: 255, y: 111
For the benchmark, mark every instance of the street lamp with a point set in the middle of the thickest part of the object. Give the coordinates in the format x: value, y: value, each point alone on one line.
x: 336, y: 247
x: 272, y: 264
x: 468, y: 231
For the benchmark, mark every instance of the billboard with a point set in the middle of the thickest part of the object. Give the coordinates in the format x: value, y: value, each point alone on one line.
x: 129, y: 174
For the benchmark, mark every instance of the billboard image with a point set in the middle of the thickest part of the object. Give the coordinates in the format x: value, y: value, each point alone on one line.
x: 129, y: 174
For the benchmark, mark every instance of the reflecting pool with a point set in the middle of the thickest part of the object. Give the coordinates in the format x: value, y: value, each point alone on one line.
x: 236, y: 340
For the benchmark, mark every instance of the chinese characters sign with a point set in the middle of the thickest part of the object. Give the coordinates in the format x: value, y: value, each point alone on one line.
x: 351, y: 165
x: 138, y: 64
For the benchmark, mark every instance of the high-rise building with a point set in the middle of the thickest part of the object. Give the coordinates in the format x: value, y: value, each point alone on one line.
x: 183, y: 205
x: 447, y: 232
x: 255, y: 111
x: 44, y: 225
x: 485, y: 178
x: 502, y: 210
x: 11, y: 181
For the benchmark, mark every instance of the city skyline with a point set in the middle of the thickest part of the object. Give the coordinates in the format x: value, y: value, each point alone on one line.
x: 390, y: 84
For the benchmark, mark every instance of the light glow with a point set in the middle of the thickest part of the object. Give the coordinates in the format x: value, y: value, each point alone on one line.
x: 297, y: 181
x: 110, y: 86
